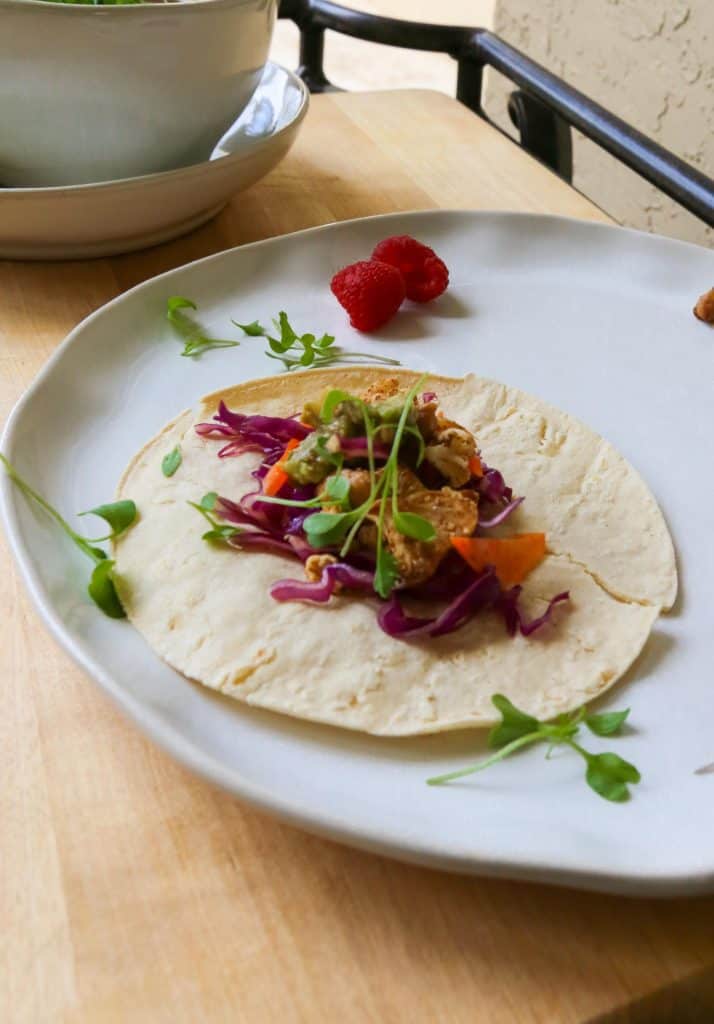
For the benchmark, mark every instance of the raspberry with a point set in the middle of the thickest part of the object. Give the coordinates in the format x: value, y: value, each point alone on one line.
x: 426, y: 276
x: 370, y: 291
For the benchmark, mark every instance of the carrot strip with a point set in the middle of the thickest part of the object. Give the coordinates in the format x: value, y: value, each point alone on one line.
x: 276, y: 475
x: 476, y: 466
x: 511, y: 557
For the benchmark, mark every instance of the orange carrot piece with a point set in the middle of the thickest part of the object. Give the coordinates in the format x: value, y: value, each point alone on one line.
x: 476, y: 466
x: 511, y: 557
x: 276, y: 475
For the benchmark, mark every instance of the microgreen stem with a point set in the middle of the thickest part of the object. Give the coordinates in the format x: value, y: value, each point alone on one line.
x: 368, y: 357
x: 576, y: 746
x: 316, y: 502
x: 510, y: 748
x: 29, y: 492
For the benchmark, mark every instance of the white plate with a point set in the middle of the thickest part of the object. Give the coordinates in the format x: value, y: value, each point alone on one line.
x: 595, y: 319
x: 105, y: 218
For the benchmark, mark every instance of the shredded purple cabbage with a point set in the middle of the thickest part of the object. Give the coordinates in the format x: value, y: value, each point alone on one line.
x: 252, y: 433
x: 493, y: 487
x: 321, y: 591
x: 256, y: 540
x: 501, y: 516
x: 482, y: 592
x: 513, y: 616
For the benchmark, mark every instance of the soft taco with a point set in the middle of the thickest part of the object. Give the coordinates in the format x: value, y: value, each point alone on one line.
x: 384, y: 552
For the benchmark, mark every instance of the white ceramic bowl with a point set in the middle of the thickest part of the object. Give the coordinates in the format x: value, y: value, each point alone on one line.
x: 109, y: 217
x: 95, y: 93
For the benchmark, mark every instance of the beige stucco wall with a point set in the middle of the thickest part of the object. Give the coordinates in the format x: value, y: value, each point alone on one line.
x: 651, y: 62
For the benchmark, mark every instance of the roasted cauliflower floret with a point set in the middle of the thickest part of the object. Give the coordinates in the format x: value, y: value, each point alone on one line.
x: 450, y: 452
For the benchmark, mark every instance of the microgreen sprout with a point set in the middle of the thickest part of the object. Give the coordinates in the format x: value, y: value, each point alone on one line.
x: 119, y: 515
x: 299, y: 351
x: 196, y: 342
x: 171, y: 462
x: 220, y: 532
x: 607, y: 774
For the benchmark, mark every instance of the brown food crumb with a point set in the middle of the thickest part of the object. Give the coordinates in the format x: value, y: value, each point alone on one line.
x: 382, y: 390
x: 704, y: 309
x: 314, y: 566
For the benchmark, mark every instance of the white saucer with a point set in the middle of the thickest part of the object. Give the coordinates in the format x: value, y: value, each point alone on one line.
x: 106, y: 218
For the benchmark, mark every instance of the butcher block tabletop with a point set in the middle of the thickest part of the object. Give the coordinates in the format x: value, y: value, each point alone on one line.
x: 132, y: 891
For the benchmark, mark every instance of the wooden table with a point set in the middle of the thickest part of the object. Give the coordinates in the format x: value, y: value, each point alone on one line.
x: 132, y: 891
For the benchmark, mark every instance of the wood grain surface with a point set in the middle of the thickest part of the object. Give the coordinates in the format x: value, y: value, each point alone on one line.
x: 131, y: 891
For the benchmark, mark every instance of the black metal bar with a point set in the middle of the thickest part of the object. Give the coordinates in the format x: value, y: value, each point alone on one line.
x: 545, y: 107
x: 312, y: 51
x: 543, y: 133
x: 677, y: 179
x: 469, y: 84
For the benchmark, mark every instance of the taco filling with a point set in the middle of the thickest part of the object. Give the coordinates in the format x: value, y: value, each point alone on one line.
x: 380, y: 494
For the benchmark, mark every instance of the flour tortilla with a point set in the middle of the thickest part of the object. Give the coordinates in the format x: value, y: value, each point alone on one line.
x: 207, y: 610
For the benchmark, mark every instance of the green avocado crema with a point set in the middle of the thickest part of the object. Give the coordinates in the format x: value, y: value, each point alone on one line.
x: 311, y: 461
x: 317, y: 456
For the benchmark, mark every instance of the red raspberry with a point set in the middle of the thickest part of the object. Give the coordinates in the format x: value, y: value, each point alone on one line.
x: 426, y: 276
x: 370, y: 291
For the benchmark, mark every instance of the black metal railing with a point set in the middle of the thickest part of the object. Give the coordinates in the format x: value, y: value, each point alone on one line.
x: 543, y: 108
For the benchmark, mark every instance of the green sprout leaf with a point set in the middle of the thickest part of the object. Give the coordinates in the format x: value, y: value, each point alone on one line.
x: 609, y: 776
x: 295, y: 351
x: 386, y: 572
x: 514, y: 723
x: 102, y: 591
x: 331, y: 401
x: 219, y: 532
x: 338, y: 489
x: 607, y: 724
x: 118, y: 514
x: 325, y: 528
x: 195, y: 340
x: 175, y: 303
x: 414, y: 526
x: 308, y: 357
x: 288, y: 336
x: 253, y: 330
x: 171, y: 462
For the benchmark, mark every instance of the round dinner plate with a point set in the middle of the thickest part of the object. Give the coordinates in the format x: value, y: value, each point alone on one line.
x: 594, y: 319
x: 110, y: 217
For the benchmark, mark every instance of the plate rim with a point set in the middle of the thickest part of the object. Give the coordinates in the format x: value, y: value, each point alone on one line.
x: 414, y: 850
